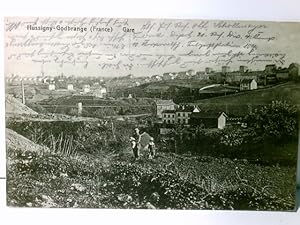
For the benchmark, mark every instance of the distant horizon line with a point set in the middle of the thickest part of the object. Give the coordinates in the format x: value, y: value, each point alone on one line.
x: 137, y: 75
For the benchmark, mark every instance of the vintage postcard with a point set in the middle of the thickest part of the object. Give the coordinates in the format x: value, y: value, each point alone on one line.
x: 151, y: 113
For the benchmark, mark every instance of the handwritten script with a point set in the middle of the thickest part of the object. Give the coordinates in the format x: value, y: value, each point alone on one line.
x: 138, y: 44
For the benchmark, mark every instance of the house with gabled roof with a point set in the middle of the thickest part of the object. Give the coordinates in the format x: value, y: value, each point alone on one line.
x: 183, y: 113
x: 248, y: 84
x: 162, y: 105
x: 270, y: 68
x: 209, y: 119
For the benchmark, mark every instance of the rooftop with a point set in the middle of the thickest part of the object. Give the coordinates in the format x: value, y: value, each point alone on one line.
x: 165, y: 102
x: 205, y: 115
x: 187, y: 108
x: 246, y: 81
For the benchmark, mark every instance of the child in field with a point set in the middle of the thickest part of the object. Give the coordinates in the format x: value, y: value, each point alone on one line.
x: 134, y: 147
x: 151, y: 147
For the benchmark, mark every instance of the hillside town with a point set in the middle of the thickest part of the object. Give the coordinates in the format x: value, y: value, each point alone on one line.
x: 170, y: 93
x: 223, y: 81
x: 245, y: 78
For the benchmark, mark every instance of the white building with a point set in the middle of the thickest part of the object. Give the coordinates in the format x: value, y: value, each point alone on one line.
x: 51, y: 87
x: 101, y: 92
x: 86, y: 88
x: 183, y: 113
x: 222, y: 121
x: 70, y: 87
x: 162, y: 105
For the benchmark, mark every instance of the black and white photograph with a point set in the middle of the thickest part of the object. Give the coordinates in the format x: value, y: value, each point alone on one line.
x: 124, y: 113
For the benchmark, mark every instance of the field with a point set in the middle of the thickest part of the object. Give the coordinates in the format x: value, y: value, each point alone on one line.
x: 103, y: 174
x: 289, y: 92
x: 164, y: 89
x: 187, y: 83
x: 241, y: 103
x: 94, y: 106
x: 89, y: 163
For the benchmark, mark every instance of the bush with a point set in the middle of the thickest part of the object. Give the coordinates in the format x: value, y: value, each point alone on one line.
x: 84, y: 137
x: 274, y: 123
x: 37, y: 107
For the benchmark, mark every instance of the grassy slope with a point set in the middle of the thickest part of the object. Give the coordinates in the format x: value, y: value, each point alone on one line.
x: 216, y: 175
x: 73, y: 100
x: 165, y: 85
x: 285, y: 92
x: 44, y: 179
x: 15, y: 106
x: 238, y: 104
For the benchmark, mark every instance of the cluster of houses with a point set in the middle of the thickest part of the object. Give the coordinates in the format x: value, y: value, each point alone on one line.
x: 244, y: 77
x: 169, y: 113
x: 95, y: 89
x: 225, y: 81
x: 62, y: 84
x: 189, y: 74
x: 248, y: 84
x: 16, y: 80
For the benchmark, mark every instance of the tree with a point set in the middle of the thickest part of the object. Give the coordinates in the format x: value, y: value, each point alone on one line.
x: 274, y: 122
x: 294, y: 71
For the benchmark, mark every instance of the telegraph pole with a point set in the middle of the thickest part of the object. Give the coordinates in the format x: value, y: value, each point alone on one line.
x: 23, y: 92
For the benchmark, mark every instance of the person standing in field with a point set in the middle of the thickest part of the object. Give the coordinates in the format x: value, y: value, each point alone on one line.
x: 134, y: 147
x: 137, y: 137
x: 151, y: 147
